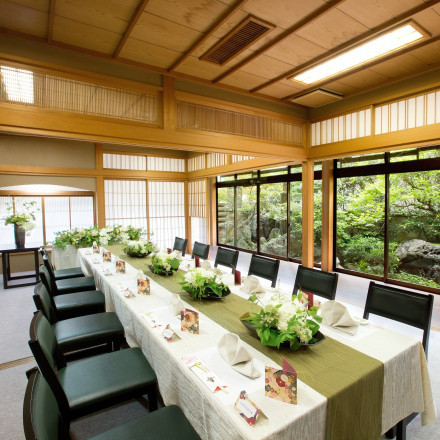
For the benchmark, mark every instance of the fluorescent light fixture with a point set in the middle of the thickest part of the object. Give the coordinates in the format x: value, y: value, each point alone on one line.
x: 19, y: 84
x: 393, y: 40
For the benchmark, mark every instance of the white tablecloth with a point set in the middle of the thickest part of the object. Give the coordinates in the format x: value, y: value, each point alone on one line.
x: 407, y: 387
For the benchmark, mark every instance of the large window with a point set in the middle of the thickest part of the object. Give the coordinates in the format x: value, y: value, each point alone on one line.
x: 261, y: 211
x: 388, y: 216
x: 53, y: 213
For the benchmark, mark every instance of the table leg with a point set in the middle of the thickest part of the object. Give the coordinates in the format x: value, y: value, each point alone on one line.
x: 5, y: 273
x: 37, y: 265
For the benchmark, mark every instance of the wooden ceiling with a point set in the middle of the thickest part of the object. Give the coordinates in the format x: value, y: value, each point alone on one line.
x: 171, y: 36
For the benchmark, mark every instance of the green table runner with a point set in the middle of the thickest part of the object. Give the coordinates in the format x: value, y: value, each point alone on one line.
x: 351, y: 381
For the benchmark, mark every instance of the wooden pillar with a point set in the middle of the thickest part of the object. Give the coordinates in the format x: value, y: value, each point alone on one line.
x: 327, y: 216
x: 169, y: 105
x: 187, y: 219
x: 307, y: 213
x: 212, y: 208
x: 100, y: 193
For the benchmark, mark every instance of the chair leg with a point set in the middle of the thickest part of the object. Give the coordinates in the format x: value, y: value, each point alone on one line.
x: 152, y: 398
x: 401, y: 430
x: 392, y: 432
x: 116, y: 345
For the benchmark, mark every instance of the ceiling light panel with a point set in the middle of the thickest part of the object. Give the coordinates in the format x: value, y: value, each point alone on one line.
x: 379, y: 46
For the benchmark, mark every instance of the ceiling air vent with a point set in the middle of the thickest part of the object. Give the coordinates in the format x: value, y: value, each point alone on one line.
x: 246, y: 33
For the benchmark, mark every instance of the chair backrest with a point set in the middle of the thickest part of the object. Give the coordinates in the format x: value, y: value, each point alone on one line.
x: 44, y: 303
x: 265, y: 268
x: 41, y: 419
x: 410, y: 308
x: 43, y: 252
x: 316, y: 281
x: 49, y: 358
x: 226, y: 257
x: 200, y: 250
x: 180, y: 245
x: 49, y: 266
x: 48, y: 281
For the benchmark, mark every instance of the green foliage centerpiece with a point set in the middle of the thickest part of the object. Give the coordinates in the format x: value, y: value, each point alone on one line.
x: 284, y: 319
x: 138, y: 248
x: 204, y: 284
x: 165, y: 264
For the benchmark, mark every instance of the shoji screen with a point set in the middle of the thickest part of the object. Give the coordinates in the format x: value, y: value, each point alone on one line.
x: 197, y: 210
x: 166, y: 202
x: 126, y: 203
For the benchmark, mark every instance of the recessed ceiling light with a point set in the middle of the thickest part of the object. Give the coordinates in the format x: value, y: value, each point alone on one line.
x: 379, y: 46
x: 19, y: 84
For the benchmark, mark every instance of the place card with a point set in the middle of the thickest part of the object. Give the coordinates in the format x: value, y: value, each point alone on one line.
x: 107, y: 272
x: 120, y: 266
x: 237, y: 277
x: 95, y: 248
x: 106, y: 256
x: 247, y: 409
x: 202, y: 371
x: 169, y: 334
x: 281, y: 384
x: 143, y: 286
x: 190, y: 321
x: 152, y: 320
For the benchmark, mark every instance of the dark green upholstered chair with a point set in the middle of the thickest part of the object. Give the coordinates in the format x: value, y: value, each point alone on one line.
x: 73, y: 304
x: 401, y: 305
x: 315, y: 281
x: 404, y: 306
x: 200, y: 250
x: 226, y: 257
x: 61, y: 274
x: 42, y: 421
x: 180, y: 245
x: 83, y: 331
x: 67, y: 285
x: 265, y: 268
x: 89, y: 385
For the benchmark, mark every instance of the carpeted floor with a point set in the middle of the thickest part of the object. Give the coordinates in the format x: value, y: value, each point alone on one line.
x: 17, y: 310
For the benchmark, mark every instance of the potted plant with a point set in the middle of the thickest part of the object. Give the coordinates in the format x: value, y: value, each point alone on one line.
x: 139, y: 248
x: 23, y: 222
x: 204, y: 284
x: 165, y: 264
x: 285, y: 320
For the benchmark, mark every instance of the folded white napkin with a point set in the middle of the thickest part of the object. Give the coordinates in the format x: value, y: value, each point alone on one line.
x: 206, y: 265
x: 336, y: 315
x: 235, y: 354
x: 176, y: 304
x: 228, y: 278
x: 251, y: 284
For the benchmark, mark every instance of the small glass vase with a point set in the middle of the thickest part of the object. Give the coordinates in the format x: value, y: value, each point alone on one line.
x: 20, y: 236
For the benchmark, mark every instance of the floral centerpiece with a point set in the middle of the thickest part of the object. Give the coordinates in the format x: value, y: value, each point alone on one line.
x: 23, y: 221
x: 165, y: 264
x: 84, y: 237
x: 284, y: 319
x: 138, y: 248
x: 201, y: 283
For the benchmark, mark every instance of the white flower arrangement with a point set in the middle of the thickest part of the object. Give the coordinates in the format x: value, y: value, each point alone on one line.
x: 139, y: 248
x: 285, y: 319
x: 163, y: 263
x: 202, y: 283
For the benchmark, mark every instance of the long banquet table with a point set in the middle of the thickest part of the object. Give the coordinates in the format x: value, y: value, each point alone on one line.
x: 405, y: 389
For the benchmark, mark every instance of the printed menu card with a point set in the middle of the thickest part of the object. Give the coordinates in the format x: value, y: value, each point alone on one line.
x: 190, y: 321
x: 281, y: 384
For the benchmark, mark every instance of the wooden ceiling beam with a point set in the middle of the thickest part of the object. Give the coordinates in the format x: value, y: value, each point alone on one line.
x: 359, y: 39
x: 222, y: 19
x: 295, y: 28
x: 362, y: 67
x: 134, y: 19
x: 51, y: 18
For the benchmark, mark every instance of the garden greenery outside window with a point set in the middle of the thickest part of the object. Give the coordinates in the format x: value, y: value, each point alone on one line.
x: 388, y: 216
x: 261, y: 211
